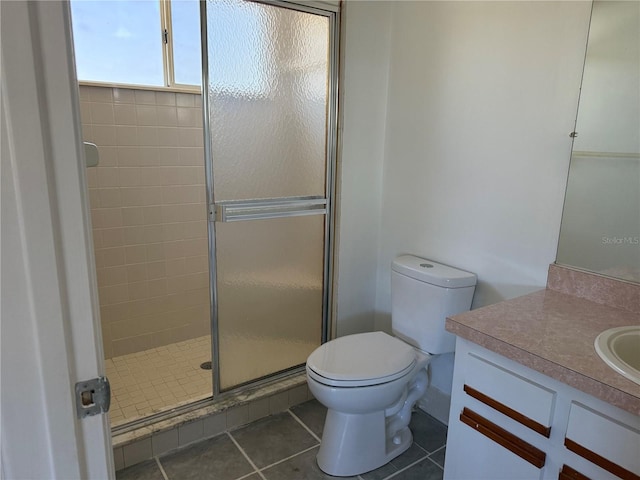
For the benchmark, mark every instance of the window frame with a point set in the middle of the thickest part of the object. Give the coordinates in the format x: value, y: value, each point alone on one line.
x: 166, y: 39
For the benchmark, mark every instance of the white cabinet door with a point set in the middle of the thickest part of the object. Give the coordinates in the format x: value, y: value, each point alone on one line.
x: 607, y: 442
x: 473, y: 456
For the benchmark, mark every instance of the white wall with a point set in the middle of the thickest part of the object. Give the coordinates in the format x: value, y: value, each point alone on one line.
x: 366, y: 44
x: 481, y: 98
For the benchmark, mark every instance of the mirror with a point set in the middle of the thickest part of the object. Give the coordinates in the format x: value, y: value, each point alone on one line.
x: 600, y: 228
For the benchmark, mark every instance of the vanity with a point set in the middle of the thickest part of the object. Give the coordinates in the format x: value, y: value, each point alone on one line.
x: 531, y: 398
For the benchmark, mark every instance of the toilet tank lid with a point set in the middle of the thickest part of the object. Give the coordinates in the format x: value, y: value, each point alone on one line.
x: 431, y: 272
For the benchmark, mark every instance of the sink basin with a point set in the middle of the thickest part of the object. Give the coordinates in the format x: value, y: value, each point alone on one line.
x: 620, y: 349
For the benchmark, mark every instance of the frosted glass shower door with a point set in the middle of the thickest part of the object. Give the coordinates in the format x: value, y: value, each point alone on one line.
x: 269, y: 110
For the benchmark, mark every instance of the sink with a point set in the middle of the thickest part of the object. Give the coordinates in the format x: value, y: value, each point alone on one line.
x: 620, y: 349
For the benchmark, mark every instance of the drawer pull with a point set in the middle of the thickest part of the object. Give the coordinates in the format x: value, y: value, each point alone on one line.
x: 568, y: 473
x: 502, y: 437
x: 509, y: 412
x: 602, y: 462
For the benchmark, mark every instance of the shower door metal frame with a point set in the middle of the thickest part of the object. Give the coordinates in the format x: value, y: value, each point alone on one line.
x: 241, y: 210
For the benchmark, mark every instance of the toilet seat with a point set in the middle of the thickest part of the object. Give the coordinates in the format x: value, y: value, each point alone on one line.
x: 362, y: 359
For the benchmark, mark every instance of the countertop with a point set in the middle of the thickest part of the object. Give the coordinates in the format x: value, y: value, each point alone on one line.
x: 553, y: 333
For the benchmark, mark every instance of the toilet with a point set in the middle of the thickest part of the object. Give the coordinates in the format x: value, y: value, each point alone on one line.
x: 370, y: 382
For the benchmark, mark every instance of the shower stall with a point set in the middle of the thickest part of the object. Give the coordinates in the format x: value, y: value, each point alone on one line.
x: 212, y: 212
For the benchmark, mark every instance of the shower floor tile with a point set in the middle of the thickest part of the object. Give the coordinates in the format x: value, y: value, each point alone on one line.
x: 158, y: 379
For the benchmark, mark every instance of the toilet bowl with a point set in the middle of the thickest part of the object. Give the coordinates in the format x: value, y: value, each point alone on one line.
x: 370, y: 382
x: 369, y: 404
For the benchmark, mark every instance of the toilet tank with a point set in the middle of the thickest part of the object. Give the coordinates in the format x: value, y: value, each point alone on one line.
x: 423, y: 294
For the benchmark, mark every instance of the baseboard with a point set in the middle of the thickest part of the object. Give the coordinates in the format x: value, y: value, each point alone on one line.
x: 436, y: 403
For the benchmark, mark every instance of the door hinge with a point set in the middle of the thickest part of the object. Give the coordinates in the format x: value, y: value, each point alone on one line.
x: 165, y: 36
x: 93, y: 397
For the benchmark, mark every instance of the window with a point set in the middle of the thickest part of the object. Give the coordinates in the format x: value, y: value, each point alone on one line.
x: 187, y: 62
x: 138, y: 42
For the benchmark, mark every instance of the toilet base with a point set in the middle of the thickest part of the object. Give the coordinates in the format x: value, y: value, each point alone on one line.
x: 357, y: 443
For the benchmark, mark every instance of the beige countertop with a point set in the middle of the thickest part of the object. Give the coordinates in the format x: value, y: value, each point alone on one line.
x: 553, y: 333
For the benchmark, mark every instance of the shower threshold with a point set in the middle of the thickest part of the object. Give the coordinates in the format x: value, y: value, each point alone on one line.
x: 166, y: 431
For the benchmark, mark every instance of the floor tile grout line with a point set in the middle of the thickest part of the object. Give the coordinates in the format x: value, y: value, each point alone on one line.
x: 420, y: 448
x: 407, y: 467
x: 435, y: 463
x: 255, y: 468
x: 164, y: 474
x: 304, y: 425
x: 247, y: 475
x: 436, y: 451
x: 288, y: 458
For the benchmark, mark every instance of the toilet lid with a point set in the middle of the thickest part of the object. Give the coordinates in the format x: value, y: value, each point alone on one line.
x: 362, y: 357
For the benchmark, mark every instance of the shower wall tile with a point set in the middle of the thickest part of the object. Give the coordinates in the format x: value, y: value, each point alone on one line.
x: 185, y: 100
x: 166, y: 116
x: 109, y: 156
x: 99, y: 94
x: 149, y: 216
x: 102, y: 113
x: 166, y: 98
x: 145, y: 97
x: 103, y: 135
x: 125, y: 114
x: 120, y: 95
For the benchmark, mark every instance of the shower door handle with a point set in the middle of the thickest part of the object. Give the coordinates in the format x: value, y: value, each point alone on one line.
x: 237, y: 210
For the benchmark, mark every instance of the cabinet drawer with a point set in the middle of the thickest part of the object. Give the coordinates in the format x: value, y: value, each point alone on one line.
x: 517, y: 397
x: 568, y: 473
x: 604, y: 441
x: 481, y: 450
x: 508, y: 440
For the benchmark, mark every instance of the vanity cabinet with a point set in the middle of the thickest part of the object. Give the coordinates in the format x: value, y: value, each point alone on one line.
x: 510, y: 422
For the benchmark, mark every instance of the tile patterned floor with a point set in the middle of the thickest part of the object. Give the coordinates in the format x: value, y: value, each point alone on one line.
x: 158, y: 379
x: 284, y: 447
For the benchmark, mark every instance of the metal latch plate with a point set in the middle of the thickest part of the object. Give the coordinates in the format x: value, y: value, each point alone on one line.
x: 93, y: 397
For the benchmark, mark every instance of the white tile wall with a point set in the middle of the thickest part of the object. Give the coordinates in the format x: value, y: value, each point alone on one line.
x: 148, y: 209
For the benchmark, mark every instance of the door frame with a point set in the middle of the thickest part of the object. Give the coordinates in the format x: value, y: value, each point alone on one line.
x: 51, y: 336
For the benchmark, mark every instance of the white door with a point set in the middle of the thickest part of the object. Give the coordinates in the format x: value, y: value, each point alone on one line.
x: 50, y: 337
